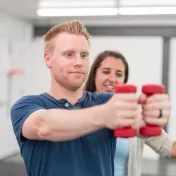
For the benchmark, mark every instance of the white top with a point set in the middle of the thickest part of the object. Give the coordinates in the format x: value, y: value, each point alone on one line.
x: 160, y: 144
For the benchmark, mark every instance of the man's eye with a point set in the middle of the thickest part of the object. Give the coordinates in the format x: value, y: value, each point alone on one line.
x: 69, y: 54
x: 84, y: 56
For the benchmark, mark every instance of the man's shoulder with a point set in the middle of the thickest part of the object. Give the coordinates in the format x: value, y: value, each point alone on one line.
x: 98, y: 98
x: 27, y: 99
x: 96, y: 94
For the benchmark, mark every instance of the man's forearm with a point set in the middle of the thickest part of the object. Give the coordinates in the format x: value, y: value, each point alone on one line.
x: 62, y: 125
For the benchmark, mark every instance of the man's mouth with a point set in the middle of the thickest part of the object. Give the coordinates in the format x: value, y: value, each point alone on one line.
x: 77, y: 73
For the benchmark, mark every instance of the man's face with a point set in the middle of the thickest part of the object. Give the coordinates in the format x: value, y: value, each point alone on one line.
x: 69, y: 61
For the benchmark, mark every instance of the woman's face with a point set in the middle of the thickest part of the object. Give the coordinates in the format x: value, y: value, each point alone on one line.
x: 110, y: 73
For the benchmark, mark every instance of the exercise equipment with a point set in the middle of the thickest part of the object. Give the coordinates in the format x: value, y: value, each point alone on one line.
x: 127, y: 131
x: 151, y: 130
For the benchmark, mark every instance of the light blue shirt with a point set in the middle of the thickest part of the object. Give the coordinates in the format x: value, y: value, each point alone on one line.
x: 121, y: 157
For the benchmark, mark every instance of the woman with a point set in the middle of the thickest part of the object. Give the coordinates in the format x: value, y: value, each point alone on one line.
x: 109, y: 69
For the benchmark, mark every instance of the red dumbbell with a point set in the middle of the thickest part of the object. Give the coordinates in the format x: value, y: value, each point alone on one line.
x: 151, y: 130
x: 127, y: 131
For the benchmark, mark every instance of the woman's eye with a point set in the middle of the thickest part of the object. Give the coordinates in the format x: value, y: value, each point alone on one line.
x: 119, y: 75
x: 106, y: 72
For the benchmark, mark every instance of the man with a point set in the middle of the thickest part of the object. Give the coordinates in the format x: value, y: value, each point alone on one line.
x: 68, y: 132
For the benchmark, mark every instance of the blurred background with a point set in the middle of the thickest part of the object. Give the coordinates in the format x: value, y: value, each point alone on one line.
x: 143, y: 30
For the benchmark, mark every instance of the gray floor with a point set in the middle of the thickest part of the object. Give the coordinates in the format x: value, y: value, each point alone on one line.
x: 164, y: 167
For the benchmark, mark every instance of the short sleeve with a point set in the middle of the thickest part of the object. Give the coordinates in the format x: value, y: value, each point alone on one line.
x: 20, y: 111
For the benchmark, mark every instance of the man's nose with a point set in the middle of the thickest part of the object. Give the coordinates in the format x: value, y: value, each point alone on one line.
x: 78, y: 61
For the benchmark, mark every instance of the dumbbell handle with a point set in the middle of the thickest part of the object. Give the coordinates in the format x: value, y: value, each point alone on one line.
x: 151, y: 130
x: 127, y: 131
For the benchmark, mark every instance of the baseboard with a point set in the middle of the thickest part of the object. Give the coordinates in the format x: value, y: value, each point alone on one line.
x: 9, y: 155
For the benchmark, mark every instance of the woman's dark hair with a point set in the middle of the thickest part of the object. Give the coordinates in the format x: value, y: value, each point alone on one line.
x: 90, y: 84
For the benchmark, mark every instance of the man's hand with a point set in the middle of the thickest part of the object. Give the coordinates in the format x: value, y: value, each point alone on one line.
x: 120, y: 111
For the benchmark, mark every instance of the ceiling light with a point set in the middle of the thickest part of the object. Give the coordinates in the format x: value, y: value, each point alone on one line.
x: 147, y: 10
x: 48, y: 12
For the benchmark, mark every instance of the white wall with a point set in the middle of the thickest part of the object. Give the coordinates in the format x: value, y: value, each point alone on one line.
x: 172, y: 89
x: 15, y: 37
x: 36, y: 73
x: 144, y: 55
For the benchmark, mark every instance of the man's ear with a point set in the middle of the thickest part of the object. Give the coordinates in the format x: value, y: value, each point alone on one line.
x: 47, y: 59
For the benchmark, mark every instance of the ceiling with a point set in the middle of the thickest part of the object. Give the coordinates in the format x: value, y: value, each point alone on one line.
x: 26, y: 9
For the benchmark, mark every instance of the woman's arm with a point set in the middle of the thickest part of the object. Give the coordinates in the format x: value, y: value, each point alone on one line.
x: 173, y: 154
x: 163, y: 145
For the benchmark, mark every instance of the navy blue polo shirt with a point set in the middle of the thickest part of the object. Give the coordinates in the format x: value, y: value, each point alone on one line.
x: 89, y: 155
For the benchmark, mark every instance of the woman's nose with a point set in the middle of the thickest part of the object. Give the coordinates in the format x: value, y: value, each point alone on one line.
x: 113, y: 78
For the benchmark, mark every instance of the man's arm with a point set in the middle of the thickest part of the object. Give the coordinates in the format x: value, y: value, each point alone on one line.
x: 62, y: 125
